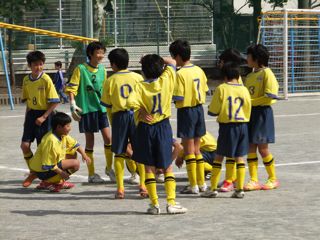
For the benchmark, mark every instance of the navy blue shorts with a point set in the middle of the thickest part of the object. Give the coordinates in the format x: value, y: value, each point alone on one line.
x: 191, y: 122
x: 261, y: 125
x: 48, y: 174
x: 31, y: 130
x: 123, y: 129
x: 93, y: 122
x: 208, y: 157
x: 153, y: 145
x: 233, y: 140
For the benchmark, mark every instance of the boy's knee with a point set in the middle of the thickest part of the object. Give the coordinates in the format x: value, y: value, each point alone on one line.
x: 263, y: 152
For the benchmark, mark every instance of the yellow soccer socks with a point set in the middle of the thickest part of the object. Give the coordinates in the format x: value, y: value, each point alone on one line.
x: 241, y: 173
x: 131, y: 165
x: 119, y: 171
x: 109, y: 156
x: 191, y: 166
x: 170, y: 186
x: 200, y: 170
x: 231, y: 170
x: 268, y: 162
x: 215, y: 175
x: 91, y: 165
x: 27, y: 157
x: 253, y: 166
x: 152, y: 188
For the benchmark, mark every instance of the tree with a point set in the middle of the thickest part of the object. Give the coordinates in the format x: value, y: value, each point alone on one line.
x: 14, y: 11
x: 306, y: 4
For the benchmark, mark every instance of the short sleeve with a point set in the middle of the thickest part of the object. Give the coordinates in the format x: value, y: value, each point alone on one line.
x: 215, y: 105
x: 52, y: 95
x: 178, y: 93
x: 24, y: 92
x: 73, y: 85
x: 271, y: 84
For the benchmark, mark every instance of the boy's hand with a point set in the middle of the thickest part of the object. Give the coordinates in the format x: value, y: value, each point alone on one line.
x: 86, y: 159
x: 40, y: 120
x: 64, y: 175
x: 144, y: 115
x: 75, y: 111
x: 179, y: 162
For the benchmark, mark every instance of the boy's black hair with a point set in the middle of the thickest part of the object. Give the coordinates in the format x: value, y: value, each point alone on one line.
x: 230, y: 70
x: 58, y: 64
x: 35, y: 56
x: 94, y: 46
x: 231, y: 55
x: 119, y: 57
x: 259, y: 53
x: 60, y: 118
x: 181, y: 48
x: 152, y: 66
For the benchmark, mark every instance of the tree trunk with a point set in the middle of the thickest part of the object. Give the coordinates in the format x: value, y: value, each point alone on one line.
x: 256, y: 14
x: 304, y: 4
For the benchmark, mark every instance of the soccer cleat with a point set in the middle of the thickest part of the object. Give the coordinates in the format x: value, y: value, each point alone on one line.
x: 96, y: 179
x: 153, y: 209
x: 226, y: 186
x: 111, y: 175
x: 119, y: 194
x: 190, y: 190
x: 43, y: 185
x: 270, y: 184
x: 160, y: 178
x: 210, y: 194
x: 66, y: 185
x: 143, y: 192
x: 54, y: 187
x: 252, y: 186
x: 238, y: 194
x: 203, y: 188
x: 176, y: 209
x: 28, y: 181
x: 134, y: 179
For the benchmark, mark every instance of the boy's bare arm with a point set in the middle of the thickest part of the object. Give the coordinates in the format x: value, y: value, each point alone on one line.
x: 41, y: 119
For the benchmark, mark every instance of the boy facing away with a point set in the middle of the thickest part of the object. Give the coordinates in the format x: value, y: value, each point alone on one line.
x: 154, y: 150
x: 59, y: 82
x: 115, y: 95
x: 231, y: 103
x: 50, y: 162
x: 189, y: 95
x: 85, y: 89
x: 42, y: 98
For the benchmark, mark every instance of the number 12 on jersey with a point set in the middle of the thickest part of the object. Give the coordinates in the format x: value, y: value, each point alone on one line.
x: 237, y: 101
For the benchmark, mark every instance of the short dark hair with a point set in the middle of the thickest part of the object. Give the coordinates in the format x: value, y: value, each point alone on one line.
x: 58, y: 64
x: 35, y: 56
x: 259, y: 53
x: 60, y: 118
x: 119, y: 57
x: 230, y: 70
x: 94, y: 46
x: 231, y: 55
x: 181, y: 48
x: 152, y: 66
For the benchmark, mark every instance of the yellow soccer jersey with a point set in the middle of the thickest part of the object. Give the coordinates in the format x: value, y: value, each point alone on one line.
x: 71, y: 145
x: 50, y: 152
x: 231, y: 102
x: 240, y: 80
x: 191, y: 87
x: 117, y: 89
x: 74, y: 82
x: 155, y: 95
x: 263, y: 87
x: 208, y: 143
x: 39, y: 92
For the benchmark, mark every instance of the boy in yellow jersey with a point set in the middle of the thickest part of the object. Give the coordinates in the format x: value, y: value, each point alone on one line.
x: 116, y: 92
x: 231, y: 103
x: 42, y: 98
x: 50, y: 163
x: 189, y: 95
x: 154, y: 138
x: 263, y: 88
x: 84, y: 89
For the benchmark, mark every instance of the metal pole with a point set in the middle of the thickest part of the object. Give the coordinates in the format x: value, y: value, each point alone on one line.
x: 292, y: 58
x: 168, y: 22
x: 285, y: 54
x: 35, y: 36
x: 60, y: 21
x: 212, y: 29
x: 115, y: 24
x: 87, y: 20
x: 6, y: 71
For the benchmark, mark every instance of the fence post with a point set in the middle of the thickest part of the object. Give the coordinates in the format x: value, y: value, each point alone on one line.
x: 115, y: 24
x: 168, y: 22
x: 60, y: 21
x: 158, y: 41
x: 292, y: 57
x: 285, y: 54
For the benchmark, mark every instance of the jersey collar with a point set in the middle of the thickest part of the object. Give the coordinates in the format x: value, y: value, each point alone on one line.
x: 190, y: 65
x: 122, y: 71
x: 34, y: 79
x: 151, y: 80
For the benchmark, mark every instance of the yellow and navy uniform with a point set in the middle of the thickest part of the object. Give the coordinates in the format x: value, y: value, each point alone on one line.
x: 208, y: 143
x: 191, y: 86
x: 39, y: 92
x: 231, y: 102
x: 263, y: 87
x: 51, y: 151
x: 117, y: 89
x: 155, y: 95
x: 240, y: 80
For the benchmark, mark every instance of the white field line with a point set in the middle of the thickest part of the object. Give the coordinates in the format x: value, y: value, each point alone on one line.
x: 176, y: 173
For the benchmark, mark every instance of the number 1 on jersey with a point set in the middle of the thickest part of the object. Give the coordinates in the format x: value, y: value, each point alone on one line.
x: 197, y: 81
x: 156, y: 108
